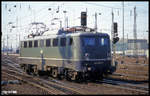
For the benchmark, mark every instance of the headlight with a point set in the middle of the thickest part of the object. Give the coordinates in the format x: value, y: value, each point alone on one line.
x: 89, y: 68
x: 87, y: 55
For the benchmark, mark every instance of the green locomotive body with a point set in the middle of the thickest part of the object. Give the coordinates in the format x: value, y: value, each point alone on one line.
x: 74, y: 55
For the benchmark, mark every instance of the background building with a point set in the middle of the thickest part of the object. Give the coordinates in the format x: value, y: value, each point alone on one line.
x: 142, y: 47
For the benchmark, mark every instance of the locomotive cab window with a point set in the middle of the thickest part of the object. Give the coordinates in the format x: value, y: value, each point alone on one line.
x: 25, y: 44
x: 36, y: 43
x: 48, y: 42
x: 55, y: 42
x: 89, y: 41
x: 63, y: 42
x: 30, y: 44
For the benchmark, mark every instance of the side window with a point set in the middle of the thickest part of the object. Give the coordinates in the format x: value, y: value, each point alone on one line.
x: 63, y: 42
x: 48, y: 42
x: 106, y: 41
x: 41, y: 43
x: 25, y: 44
x: 70, y: 41
x: 36, y: 43
x: 103, y: 41
x: 30, y: 44
x: 55, y: 42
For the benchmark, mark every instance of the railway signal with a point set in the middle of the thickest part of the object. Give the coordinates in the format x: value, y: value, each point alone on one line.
x: 83, y: 18
x: 115, y: 27
x: 115, y: 40
x: 115, y: 37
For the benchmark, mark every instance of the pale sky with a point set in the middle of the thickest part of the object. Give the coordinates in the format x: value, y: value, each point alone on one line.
x: 28, y: 12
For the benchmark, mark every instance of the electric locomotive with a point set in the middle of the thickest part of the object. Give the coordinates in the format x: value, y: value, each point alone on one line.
x: 74, y: 53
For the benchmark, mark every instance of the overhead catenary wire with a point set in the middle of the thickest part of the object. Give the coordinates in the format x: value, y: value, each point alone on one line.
x: 34, y: 14
x: 46, y: 7
x: 106, y: 6
x: 100, y: 5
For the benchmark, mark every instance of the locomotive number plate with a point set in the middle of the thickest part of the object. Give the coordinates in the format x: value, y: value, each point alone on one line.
x: 98, y: 62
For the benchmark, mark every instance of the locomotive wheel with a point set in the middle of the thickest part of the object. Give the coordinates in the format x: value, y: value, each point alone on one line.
x: 35, y: 71
x: 54, y: 73
x: 24, y: 68
x: 67, y: 77
x: 73, y: 77
x: 27, y: 70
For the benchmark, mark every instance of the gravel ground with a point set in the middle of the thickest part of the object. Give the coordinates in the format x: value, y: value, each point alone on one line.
x: 22, y: 88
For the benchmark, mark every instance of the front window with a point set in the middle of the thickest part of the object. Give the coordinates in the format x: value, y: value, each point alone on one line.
x: 95, y: 41
x: 89, y: 41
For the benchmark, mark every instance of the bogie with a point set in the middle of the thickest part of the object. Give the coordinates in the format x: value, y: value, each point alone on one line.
x: 54, y: 72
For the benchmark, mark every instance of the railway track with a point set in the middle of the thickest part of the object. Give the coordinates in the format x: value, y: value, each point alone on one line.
x: 53, y: 83
x: 60, y: 89
x: 127, y: 75
x: 127, y: 86
x: 50, y: 87
x: 65, y: 88
x: 134, y: 64
x: 29, y: 82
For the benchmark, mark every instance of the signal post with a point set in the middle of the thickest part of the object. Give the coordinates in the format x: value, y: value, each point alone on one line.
x: 115, y: 37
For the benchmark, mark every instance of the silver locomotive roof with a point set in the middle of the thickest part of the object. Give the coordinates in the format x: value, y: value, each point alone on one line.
x: 65, y: 34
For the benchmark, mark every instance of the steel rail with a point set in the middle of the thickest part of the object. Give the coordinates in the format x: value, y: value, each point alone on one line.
x: 122, y: 85
x: 121, y: 74
x: 126, y: 83
x: 29, y: 82
x: 60, y: 87
x: 135, y: 64
x: 45, y: 87
x: 57, y: 86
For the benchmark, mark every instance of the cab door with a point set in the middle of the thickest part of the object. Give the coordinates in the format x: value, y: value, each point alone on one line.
x: 69, y: 48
